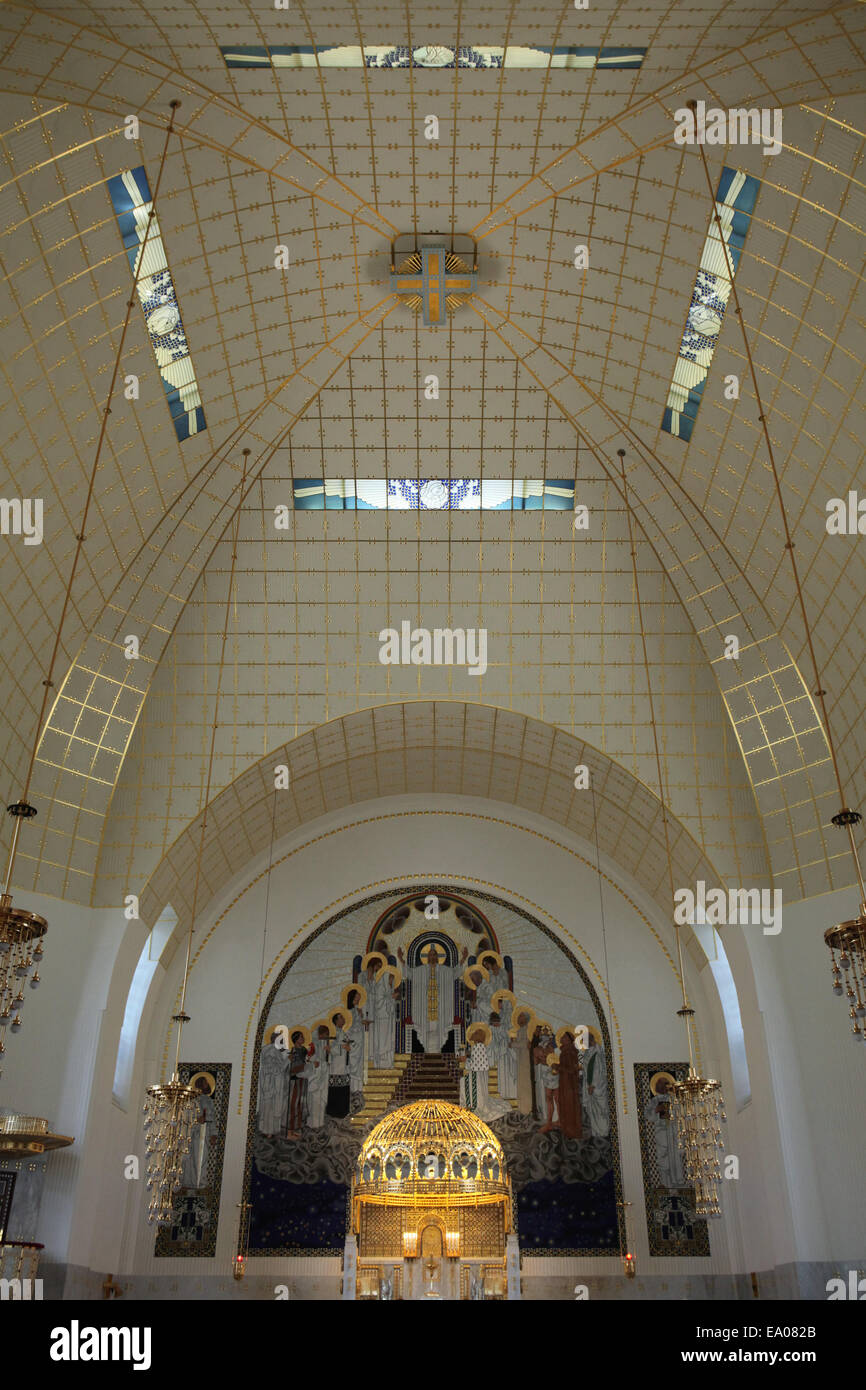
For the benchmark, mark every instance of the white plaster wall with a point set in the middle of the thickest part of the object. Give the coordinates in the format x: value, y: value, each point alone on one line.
x: 821, y: 1080
x: 800, y: 1055
x: 470, y: 845
x: 49, y: 1067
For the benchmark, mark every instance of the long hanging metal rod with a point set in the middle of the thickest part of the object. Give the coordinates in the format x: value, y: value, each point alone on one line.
x: 845, y: 818
x: 22, y: 810
x: 181, y: 1016
x: 686, y: 1012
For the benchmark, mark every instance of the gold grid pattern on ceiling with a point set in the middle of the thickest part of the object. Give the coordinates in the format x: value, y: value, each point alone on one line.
x: 519, y: 159
x: 563, y: 646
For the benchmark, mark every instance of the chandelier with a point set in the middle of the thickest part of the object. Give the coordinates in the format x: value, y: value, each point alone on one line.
x: 171, y: 1107
x: 697, y: 1107
x: 21, y: 951
x: 21, y: 931
x: 847, y: 940
x: 847, y: 943
x: 169, y: 1111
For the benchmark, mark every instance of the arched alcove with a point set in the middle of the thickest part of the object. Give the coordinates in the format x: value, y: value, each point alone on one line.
x: 309, y: 986
x: 439, y: 749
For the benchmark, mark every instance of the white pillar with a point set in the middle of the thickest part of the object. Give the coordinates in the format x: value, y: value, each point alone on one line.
x: 512, y: 1266
x: 350, y: 1267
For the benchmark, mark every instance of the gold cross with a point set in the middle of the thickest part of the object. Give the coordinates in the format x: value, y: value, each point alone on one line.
x: 433, y: 279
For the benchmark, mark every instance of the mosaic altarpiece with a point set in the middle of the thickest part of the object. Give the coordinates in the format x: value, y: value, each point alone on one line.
x: 672, y: 1224
x: 193, y: 1227
x: 433, y: 993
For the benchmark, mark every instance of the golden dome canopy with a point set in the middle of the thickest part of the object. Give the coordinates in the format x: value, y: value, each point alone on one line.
x: 430, y: 1139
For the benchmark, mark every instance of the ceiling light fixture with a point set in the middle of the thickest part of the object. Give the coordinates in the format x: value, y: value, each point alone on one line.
x: 432, y: 280
x: 846, y: 940
x: 697, y: 1105
x: 21, y: 931
x: 172, y: 1106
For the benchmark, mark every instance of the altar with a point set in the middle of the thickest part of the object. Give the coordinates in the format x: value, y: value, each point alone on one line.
x: 431, y: 1208
x: 432, y: 1278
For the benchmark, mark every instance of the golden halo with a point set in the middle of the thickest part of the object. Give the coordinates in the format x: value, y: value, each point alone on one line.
x: 498, y: 997
x: 543, y: 1026
x: 344, y: 1013
x: 324, y: 1023
x: 209, y: 1078
x: 566, y: 1028
x: 441, y: 953
x: 392, y: 970
x: 659, y: 1076
x: 359, y: 990
x: 466, y: 980
x: 593, y: 1032
x: 296, y: 1028
x: 473, y: 1028
x: 496, y: 956
x: 372, y: 956
x: 530, y: 1020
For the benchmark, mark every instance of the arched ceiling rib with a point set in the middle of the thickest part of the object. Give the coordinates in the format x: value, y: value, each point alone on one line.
x: 441, y: 748
x: 774, y: 717
x: 46, y: 56
x: 810, y: 60
x: 92, y: 719
x: 811, y: 57
x: 306, y: 610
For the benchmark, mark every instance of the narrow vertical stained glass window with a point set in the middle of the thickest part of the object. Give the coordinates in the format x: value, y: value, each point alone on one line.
x: 735, y: 199
x: 131, y: 199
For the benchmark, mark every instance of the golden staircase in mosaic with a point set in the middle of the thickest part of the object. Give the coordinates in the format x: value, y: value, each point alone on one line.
x: 414, y: 1076
x: 380, y: 1087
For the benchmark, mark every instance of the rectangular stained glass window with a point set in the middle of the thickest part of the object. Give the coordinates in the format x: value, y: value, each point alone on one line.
x: 432, y: 494
x: 386, y: 55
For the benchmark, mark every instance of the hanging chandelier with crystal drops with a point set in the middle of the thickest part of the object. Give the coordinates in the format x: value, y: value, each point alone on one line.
x: 697, y: 1111
x: 697, y: 1106
x: 171, y: 1107
x: 847, y: 940
x: 170, y: 1113
x: 21, y: 949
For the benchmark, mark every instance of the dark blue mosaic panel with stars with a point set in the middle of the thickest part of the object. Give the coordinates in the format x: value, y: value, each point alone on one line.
x: 307, y: 1216
x: 568, y: 1216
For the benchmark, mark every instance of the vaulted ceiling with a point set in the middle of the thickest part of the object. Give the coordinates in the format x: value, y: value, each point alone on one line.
x: 318, y: 370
